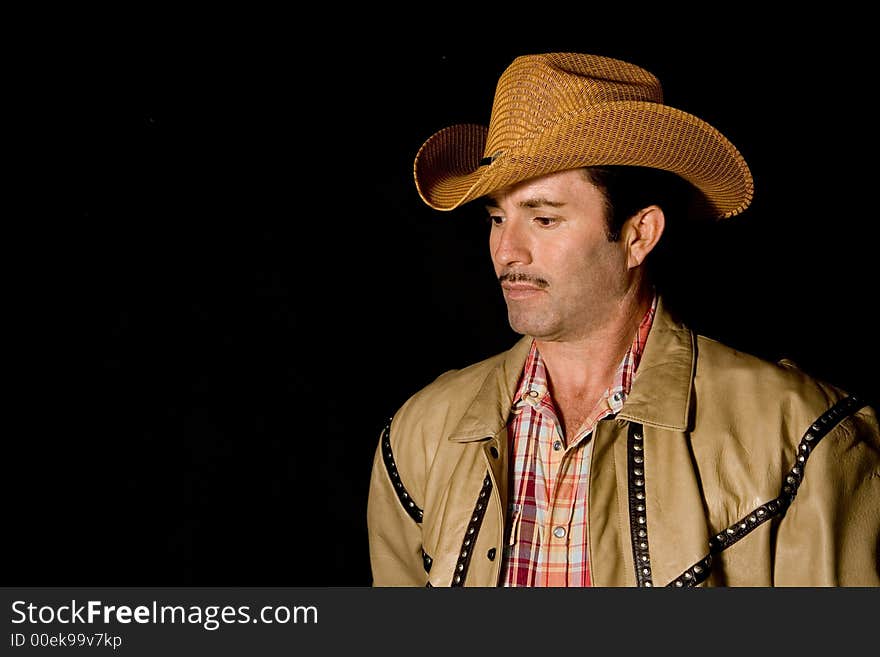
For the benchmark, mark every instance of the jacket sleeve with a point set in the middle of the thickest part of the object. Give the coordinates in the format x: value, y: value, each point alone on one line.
x: 395, y: 537
x: 831, y: 534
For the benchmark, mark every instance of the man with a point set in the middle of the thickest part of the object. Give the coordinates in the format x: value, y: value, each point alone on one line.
x: 611, y: 446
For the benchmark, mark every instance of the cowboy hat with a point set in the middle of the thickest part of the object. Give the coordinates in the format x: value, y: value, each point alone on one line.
x: 562, y: 111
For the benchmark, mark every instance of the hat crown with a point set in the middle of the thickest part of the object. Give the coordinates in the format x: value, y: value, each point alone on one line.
x: 537, y: 91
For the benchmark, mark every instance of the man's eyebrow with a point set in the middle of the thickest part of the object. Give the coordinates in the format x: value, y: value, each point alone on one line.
x: 537, y: 202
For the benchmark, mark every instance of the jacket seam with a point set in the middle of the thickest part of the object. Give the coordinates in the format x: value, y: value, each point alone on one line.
x: 637, y: 505
x: 469, y: 542
x: 403, y: 496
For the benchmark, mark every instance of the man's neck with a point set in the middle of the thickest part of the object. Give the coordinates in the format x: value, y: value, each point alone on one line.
x: 584, y: 367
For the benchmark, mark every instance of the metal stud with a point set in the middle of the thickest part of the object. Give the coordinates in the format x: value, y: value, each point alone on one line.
x: 637, y: 448
x: 638, y: 472
x: 458, y: 579
x: 640, y: 495
x: 640, y: 507
x: 643, y: 545
x: 753, y: 519
x: 641, y: 520
x: 688, y: 576
x: 642, y: 533
x: 698, y: 569
x: 638, y: 459
x: 639, y: 483
x: 464, y: 554
x: 679, y: 583
x: 648, y: 585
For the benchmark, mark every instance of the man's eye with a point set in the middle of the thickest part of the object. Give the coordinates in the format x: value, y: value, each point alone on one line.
x: 545, y: 221
x: 494, y: 220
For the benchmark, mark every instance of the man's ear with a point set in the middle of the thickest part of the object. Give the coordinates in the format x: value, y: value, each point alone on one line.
x: 641, y: 233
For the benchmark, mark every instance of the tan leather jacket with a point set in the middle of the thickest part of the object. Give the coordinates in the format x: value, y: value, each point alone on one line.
x: 712, y: 473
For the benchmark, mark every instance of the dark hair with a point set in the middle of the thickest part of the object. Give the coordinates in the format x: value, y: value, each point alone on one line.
x: 629, y: 189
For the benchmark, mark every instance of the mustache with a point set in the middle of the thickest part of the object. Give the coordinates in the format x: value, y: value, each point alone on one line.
x: 519, y: 277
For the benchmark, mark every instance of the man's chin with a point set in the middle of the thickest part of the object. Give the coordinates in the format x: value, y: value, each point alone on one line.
x: 525, y: 327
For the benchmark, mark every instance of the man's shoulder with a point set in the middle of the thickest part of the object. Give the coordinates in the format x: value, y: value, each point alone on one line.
x: 746, y: 382
x: 735, y: 361
x: 455, y: 387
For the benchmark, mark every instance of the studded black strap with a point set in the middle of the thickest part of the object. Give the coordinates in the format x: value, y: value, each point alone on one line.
x: 408, y: 504
x: 470, y: 534
x: 698, y: 572
x: 638, y: 515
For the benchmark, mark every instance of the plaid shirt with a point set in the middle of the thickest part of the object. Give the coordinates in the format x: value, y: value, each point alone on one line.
x: 547, y: 533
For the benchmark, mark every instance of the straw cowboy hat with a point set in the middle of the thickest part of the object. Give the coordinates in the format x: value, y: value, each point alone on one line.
x: 566, y: 110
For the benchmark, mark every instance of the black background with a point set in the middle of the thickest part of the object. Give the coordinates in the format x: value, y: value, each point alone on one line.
x: 229, y: 280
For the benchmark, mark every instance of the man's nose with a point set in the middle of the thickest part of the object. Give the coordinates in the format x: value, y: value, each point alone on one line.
x: 511, y: 244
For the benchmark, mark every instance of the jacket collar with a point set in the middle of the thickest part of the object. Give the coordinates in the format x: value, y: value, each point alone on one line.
x: 660, y: 394
x: 661, y: 390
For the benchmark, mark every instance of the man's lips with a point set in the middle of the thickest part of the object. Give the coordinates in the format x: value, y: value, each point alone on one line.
x: 519, y: 290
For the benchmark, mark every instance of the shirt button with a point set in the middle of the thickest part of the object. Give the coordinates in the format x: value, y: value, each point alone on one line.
x: 533, y: 393
x: 557, y: 445
x: 559, y: 532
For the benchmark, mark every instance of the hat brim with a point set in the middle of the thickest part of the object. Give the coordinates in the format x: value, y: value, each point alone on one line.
x: 626, y: 133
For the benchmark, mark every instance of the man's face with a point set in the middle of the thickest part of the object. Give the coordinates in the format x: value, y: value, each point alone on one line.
x: 560, y: 275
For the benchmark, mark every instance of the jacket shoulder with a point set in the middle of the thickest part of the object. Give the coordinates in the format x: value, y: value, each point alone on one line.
x: 441, y: 403
x: 423, y: 422
x: 764, y: 408
x: 756, y: 386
